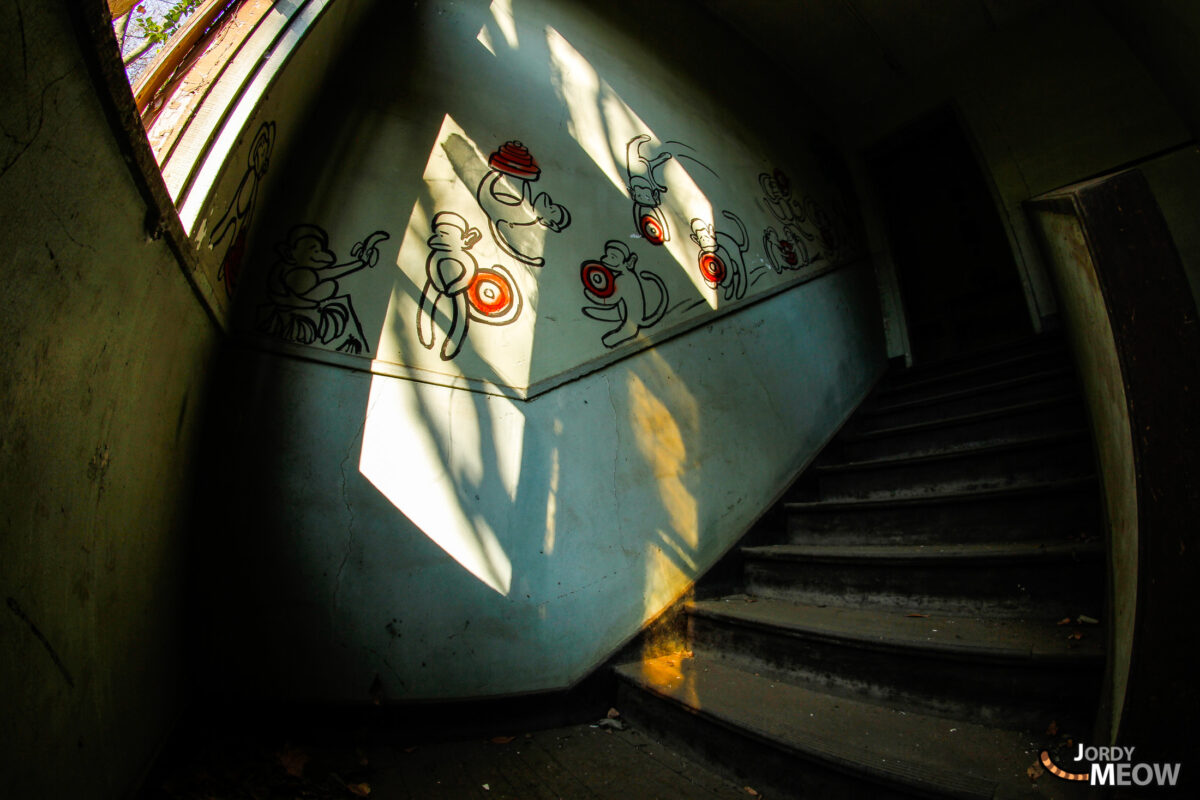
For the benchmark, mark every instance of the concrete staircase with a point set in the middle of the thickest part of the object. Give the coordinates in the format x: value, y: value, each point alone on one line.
x: 894, y: 628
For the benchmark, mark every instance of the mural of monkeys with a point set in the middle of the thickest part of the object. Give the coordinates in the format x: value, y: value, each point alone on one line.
x: 617, y: 293
x: 516, y: 216
x: 720, y: 258
x: 789, y: 250
x: 646, y: 190
x: 234, y: 223
x: 459, y: 288
x: 306, y: 304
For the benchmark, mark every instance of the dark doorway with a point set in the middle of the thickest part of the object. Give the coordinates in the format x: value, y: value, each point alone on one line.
x: 957, y: 277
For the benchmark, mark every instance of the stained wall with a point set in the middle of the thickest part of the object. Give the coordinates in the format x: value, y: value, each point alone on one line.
x: 104, y: 359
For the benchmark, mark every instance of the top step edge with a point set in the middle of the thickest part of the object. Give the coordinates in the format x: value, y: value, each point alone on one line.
x: 964, y: 393
x: 966, y: 496
x: 909, y: 379
x: 1035, y: 343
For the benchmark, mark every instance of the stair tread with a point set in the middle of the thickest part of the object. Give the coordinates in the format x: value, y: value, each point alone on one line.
x: 965, y: 366
x: 969, y: 391
x: 931, y: 498
x: 961, y: 451
x: 1025, y: 640
x: 924, y: 753
x: 974, y: 416
x: 990, y: 552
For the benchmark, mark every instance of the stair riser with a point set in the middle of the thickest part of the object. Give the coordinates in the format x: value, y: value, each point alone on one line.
x: 999, y: 693
x: 988, y: 470
x: 1050, y: 516
x: 920, y: 385
x: 1044, y: 420
x: 741, y: 756
x: 1044, y: 590
x: 929, y: 407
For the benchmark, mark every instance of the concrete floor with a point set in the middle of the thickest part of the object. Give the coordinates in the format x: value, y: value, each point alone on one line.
x: 581, y: 761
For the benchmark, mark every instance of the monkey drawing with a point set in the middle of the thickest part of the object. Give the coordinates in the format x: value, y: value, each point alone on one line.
x: 720, y: 257
x: 617, y: 292
x: 235, y: 221
x: 518, y: 218
x: 646, y: 190
x: 789, y: 250
x: 306, y: 305
x: 825, y: 226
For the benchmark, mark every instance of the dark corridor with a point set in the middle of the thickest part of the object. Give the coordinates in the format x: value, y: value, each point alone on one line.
x: 957, y: 277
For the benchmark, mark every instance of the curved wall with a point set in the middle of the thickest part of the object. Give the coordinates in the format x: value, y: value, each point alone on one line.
x: 468, y: 452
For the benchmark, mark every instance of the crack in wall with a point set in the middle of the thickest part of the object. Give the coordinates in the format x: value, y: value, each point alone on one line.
x: 337, y: 580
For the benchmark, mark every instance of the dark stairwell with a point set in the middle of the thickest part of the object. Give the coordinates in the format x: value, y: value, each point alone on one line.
x: 919, y: 615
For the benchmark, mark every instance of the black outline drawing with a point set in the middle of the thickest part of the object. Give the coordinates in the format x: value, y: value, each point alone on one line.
x: 236, y: 219
x: 457, y: 285
x: 646, y: 186
x: 515, y: 215
x: 646, y: 191
x: 306, y: 305
x: 827, y: 229
x: 720, y: 257
x: 786, y: 251
x: 614, y: 300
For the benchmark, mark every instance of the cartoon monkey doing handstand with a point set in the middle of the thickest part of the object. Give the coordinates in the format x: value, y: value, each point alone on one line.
x: 646, y: 190
x: 720, y: 257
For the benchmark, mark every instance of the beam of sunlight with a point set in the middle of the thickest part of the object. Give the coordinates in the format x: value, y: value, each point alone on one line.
x: 578, y: 86
x: 552, y: 495
x: 485, y: 38
x: 496, y: 352
x: 602, y: 124
x: 502, y: 12
x: 661, y: 443
x: 419, y: 469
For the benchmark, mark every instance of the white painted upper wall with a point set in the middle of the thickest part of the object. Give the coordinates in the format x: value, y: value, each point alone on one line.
x: 509, y: 202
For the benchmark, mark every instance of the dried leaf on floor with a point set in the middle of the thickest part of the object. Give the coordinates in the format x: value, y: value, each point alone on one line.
x: 1075, y: 635
x: 922, y: 616
x: 1035, y: 771
x: 613, y: 713
x: 293, y: 759
x: 502, y: 739
x: 1065, y: 621
x: 750, y: 791
x: 359, y: 789
x: 1084, y: 619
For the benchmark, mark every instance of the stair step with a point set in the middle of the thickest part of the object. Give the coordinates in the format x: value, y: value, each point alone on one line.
x: 1030, y: 459
x: 998, y: 671
x: 906, y: 459
x: 868, y: 430
x: 864, y: 439
x: 1009, y: 579
x: 1048, y: 511
x: 800, y: 742
x: 895, y: 402
x: 938, y: 402
x: 973, y: 371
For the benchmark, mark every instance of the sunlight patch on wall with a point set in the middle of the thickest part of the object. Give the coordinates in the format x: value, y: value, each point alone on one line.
x: 606, y: 128
x: 429, y: 472
x: 661, y: 443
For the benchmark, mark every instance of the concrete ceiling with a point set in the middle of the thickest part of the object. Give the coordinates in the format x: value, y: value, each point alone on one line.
x: 844, y: 52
